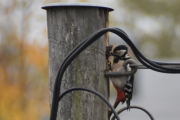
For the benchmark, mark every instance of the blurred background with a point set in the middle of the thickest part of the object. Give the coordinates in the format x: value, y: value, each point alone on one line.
x: 153, y: 26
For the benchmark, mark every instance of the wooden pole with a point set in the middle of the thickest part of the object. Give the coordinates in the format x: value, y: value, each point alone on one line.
x: 68, y: 25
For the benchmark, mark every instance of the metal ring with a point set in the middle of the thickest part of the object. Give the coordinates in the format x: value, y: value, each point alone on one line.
x: 135, y: 107
x: 122, y: 73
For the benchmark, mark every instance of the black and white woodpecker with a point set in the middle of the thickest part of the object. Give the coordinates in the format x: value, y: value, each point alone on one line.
x: 122, y: 84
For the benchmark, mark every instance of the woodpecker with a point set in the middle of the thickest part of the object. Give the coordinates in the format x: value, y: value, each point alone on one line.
x: 122, y: 84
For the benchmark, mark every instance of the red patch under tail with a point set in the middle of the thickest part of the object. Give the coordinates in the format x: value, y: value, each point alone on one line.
x: 120, y: 98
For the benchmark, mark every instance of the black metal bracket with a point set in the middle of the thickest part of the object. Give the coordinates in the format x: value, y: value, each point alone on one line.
x: 150, y: 64
x: 123, y: 73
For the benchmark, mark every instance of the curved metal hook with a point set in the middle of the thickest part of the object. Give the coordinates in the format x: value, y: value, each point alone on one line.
x: 133, y: 69
x: 78, y: 49
x: 94, y: 92
x: 135, y: 107
x: 123, y: 73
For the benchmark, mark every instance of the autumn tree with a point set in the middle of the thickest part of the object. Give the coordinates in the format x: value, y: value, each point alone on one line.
x: 23, y: 64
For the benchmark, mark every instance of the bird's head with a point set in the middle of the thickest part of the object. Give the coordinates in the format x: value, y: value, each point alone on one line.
x: 120, y: 53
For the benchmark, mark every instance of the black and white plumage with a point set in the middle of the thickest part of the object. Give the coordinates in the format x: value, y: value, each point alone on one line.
x: 128, y: 91
x: 122, y: 84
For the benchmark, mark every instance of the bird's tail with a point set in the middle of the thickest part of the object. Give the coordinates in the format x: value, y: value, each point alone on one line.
x: 128, y: 103
x: 128, y: 91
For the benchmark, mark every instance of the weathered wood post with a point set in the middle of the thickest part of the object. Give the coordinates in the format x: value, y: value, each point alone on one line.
x: 68, y: 25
